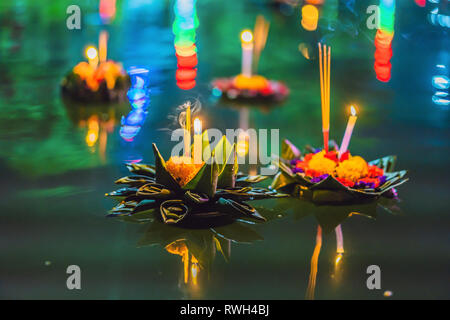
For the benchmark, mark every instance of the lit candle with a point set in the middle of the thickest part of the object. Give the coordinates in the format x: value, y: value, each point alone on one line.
x: 197, y: 141
x: 247, y: 52
x: 102, y: 46
x: 187, y: 132
x: 348, y: 131
x: 91, y: 54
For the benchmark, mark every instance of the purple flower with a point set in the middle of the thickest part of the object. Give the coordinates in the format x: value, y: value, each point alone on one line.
x: 319, y: 178
x: 295, y: 170
x: 382, y: 180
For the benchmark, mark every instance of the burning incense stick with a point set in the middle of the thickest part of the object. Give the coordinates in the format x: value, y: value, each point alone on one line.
x: 325, y: 62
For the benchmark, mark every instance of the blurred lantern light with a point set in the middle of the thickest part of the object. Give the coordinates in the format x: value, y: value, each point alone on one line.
x: 383, y: 40
x: 310, y: 17
x: 441, y: 82
x: 186, y: 21
x: 107, y: 10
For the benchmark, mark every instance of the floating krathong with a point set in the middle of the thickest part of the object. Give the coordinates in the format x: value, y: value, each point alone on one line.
x: 323, y: 177
x: 248, y: 85
x: 98, y: 80
x: 184, y: 193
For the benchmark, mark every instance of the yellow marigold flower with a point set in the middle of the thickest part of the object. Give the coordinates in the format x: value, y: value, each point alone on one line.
x: 250, y: 83
x: 321, y: 164
x: 92, y: 83
x: 353, y: 169
x: 84, y: 70
x: 182, y: 169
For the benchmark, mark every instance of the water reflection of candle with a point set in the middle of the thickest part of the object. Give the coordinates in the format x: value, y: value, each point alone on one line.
x: 197, y: 141
x: 102, y: 46
x: 247, y: 52
x: 348, y: 131
x: 92, y: 56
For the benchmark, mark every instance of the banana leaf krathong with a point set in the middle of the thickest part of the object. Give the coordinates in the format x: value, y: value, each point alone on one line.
x: 216, y: 193
x: 328, y: 189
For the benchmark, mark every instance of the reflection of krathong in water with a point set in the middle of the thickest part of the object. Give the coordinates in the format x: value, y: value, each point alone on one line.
x: 139, y: 97
x: 196, y: 247
x: 383, y: 40
x: 107, y: 10
x: 184, y: 26
x: 441, y: 84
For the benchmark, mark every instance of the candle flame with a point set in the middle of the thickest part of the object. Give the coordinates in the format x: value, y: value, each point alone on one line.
x: 91, y: 53
x: 246, y: 37
x: 353, y: 110
x: 197, y: 126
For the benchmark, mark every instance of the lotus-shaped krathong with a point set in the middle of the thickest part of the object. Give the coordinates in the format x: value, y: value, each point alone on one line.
x: 254, y: 88
x: 214, y: 191
x: 324, y: 179
x: 108, y: 82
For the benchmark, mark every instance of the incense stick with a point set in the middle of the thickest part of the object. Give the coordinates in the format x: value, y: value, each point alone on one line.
x: 325, y: 63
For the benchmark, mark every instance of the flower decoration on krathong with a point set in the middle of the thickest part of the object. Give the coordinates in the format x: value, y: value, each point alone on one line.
x: 182, y: 192
x: 253, y: 87
x: 323, y: 177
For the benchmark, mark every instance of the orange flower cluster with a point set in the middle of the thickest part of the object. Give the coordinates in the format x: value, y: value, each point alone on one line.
x: 349, y: 170
x: 107, y: 71
x: 183, y: 169
x: 254, y: 82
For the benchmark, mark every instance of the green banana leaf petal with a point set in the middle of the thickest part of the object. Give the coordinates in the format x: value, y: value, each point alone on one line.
x: 205, y: 181
x: 122, y: 193
x: 154, y: 191
x: 173, y: 211
x: 142, y: 169
x: 386, y: 163
x: 196, y: 198
x: 244, y: 180
x: 135, y: 181
x: 239, y: 209
x: 289, y: 151
x: 237, y: 232
x: 248, y: 193
x: 225, y: 154
x: 162, y: 176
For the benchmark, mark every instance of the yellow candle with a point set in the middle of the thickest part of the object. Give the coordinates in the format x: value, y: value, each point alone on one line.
x: 187, y: 133
x: 197, y: 141
x: 247, y: 52
x: 92, y: 56
x: 348, y: 131
x: 102, y: 46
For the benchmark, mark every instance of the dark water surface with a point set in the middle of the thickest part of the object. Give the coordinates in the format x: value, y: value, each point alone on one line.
x: 52, y: 182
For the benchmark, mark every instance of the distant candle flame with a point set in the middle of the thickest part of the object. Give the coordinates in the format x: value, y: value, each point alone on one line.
x: 197, y: 126
x: 353, y: 110
x: 246, y: 36
x: 91, y: 53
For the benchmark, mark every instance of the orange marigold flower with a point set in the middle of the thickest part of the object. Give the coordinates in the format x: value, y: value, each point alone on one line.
x: 250, y: 83
x: 183, y: 169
